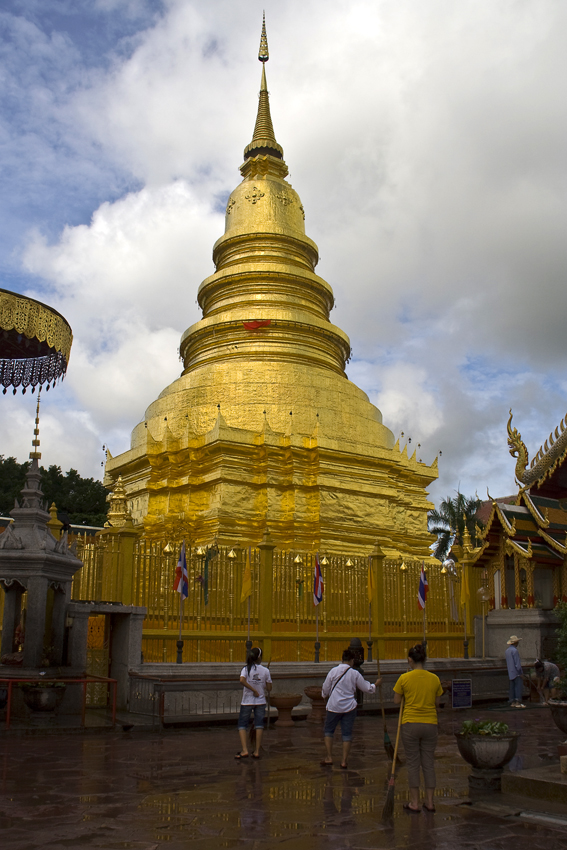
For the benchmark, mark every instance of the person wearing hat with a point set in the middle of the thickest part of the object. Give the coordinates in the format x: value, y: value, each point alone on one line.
x: 515, y: 673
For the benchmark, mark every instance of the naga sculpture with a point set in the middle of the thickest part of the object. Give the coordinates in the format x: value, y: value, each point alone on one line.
x: 545, y: 459
x: 517, y: 450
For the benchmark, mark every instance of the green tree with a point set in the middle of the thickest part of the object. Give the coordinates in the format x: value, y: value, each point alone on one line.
x: 449, y: 520
x: 80, y: 501
x: 12, y: 478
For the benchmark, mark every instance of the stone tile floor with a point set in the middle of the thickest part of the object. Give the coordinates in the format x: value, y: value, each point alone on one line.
x: 182, y: 788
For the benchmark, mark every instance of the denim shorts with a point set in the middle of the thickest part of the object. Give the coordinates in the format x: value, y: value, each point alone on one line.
x: 246, y: 713
x: 346, y: 719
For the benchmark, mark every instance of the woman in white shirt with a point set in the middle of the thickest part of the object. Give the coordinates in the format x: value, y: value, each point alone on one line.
x: 257, y: 683
x: 340, y: 689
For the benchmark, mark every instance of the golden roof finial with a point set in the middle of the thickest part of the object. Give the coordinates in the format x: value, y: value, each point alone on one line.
x: 35, y: 453
x: 264, y: 140
x: 263, y: 54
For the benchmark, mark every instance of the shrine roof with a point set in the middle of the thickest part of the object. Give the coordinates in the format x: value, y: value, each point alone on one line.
x: 536, y: 529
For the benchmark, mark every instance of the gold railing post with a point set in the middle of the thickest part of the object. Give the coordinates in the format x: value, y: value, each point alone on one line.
x: 118, y: 567
x: 266, y: 548
x: 378, y: 594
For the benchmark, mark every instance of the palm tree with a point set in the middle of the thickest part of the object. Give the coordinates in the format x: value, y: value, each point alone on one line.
x: 448, y: 522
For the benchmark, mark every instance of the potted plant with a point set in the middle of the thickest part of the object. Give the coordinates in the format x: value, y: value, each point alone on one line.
x: 43, y: 696
x: 488, y: 746
x: 558, y: 705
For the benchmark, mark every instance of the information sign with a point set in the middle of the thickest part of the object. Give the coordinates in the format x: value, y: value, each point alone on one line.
x: 461, y: 693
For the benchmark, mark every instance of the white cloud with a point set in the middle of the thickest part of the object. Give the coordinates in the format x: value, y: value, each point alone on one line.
x: 427, y: 144
x: 127, y: 284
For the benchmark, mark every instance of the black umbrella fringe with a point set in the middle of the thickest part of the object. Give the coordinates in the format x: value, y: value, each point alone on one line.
x: 32, y: 372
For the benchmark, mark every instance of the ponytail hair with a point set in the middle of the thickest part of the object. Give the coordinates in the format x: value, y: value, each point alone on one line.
x: 418, y: 653
x: 253, y: 658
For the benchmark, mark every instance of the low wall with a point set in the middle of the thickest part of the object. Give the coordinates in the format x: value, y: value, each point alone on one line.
x: 199, y: 692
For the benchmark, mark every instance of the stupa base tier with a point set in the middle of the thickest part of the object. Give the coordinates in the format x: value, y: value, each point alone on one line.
x: 234, y: 485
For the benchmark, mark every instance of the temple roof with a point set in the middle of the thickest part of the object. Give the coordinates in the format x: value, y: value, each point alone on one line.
x: 534, y: 527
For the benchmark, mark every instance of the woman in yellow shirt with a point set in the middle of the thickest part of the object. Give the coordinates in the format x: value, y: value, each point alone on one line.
x: 421, y: 692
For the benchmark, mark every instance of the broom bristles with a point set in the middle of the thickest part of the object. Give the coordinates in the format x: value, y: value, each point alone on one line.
x: 388, y: 810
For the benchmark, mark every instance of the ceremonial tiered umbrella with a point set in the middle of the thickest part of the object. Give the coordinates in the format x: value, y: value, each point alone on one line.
x: 35, y: 343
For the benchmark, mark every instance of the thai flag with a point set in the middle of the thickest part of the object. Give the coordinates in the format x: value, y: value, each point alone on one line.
x: 317, y: 583
x: 181, y: 584
x: 423, y: 588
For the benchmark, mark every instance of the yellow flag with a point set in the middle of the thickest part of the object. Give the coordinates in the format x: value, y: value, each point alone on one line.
x: 246, y: 579
x: 371, y: 583
x: 465, y: 594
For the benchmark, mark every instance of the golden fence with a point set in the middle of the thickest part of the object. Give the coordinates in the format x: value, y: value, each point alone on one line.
x: 280, y: 615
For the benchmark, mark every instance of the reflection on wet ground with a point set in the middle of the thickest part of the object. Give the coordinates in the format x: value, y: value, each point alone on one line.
x: 183, y: 788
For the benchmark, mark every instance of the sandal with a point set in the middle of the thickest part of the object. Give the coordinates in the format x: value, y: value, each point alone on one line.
x: 431, y: 810
x: 409, y: 808
x: 344, y: 766
x: 240, y: 756
x: 254, y: 756
x: 326, y: 763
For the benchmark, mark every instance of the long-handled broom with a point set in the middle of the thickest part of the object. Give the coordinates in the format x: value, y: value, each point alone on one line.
x: 388, y: 746
x: 388, y: 809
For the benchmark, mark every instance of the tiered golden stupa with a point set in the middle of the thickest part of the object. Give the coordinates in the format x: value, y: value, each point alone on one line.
x: 263, y: 429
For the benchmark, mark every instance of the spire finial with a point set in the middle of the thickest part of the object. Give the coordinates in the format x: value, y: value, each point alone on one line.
x: 263, y: 54
x: 35, y: 453
x: 264, y: 139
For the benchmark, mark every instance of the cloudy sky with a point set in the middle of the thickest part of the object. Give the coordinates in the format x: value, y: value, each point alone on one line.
x: 426, y: 138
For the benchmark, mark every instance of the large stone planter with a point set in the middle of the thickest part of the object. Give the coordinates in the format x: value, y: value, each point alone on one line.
x: 487, y: 755
x: 318, y: 704
x: 42, y: 697
x: 558, y: 710
x: 284, y: 704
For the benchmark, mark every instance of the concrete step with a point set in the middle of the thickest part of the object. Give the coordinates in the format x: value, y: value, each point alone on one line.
x: 538, y: 783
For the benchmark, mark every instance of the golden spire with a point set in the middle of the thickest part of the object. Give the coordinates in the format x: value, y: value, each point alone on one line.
x: 263, y: 54
x: 36, y: 454
x: 264, y: 140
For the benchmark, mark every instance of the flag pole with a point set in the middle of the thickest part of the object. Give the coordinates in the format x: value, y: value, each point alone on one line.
x: 249, y: 642
x: 370, y: 589
x: 179, y: 659
x: 424, y: 610
x: 317, y: 644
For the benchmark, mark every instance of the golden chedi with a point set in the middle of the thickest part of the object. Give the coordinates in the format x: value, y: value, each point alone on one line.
x: 263, y: 429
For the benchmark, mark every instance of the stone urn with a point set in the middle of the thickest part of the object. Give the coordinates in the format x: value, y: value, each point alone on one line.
x: 284, y: 704
x: 487, y: 755
x: 558, y: 710
x: 43, y: 697
x: 318, y: 704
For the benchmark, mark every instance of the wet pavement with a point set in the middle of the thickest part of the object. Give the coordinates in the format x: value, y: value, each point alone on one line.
x: 183, y: 788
